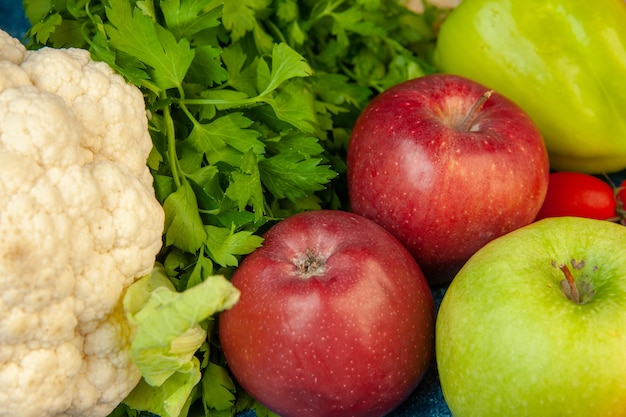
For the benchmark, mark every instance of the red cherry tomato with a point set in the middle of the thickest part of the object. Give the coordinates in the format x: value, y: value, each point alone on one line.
x: 578, y: 194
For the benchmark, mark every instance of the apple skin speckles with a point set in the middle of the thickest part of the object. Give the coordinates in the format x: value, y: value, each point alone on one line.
x: 444, y: 190
x: 335, y: 318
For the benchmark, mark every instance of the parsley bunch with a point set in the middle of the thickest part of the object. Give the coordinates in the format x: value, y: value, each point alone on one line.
x: 251, y: 104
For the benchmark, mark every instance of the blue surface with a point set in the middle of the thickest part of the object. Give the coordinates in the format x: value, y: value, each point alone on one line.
x: 12, y: 18
x: 426, y: 401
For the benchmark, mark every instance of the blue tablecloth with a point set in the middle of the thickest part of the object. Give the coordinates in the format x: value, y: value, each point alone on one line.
x: 426, y: 401
x: 12, y: 18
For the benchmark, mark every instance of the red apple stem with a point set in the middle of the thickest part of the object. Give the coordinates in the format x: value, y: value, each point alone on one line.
x: 310, y: 265
x: 569, y: 284
x: 468, y: 120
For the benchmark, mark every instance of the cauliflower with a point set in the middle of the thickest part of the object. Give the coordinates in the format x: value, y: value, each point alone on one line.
x: 79, y: 223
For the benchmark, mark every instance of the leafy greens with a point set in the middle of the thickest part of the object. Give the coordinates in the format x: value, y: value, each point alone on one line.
x: 251, y: 103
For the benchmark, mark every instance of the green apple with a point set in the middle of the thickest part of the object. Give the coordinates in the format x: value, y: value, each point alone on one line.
x: 534, y: 324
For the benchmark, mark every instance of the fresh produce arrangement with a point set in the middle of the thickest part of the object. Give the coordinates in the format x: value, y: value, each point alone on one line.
x: 244, y: 208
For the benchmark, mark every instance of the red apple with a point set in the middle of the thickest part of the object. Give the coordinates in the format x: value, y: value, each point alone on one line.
x: 446, y: 165
x: 335, y: 319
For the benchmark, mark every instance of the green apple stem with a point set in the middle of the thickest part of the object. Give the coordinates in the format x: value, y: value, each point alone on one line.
x: 569, y: 285
x: 468, y: 120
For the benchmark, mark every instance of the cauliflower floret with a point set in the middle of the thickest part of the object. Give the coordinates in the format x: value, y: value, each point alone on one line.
x: 94, y: 94
x: 11, y: 49
x: 79, y: 224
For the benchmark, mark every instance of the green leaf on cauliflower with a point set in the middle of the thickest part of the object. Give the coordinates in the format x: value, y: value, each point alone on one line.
x: 168, y: 331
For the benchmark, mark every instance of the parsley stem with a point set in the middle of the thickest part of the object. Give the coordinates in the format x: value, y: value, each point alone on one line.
x: 273, y: 27
x: 217, y: 102
x: 172, y: 157
x: 189, y: 115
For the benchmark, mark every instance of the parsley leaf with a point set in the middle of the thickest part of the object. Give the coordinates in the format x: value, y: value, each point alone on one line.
x: 218, y: 391
x: 222, y: 244
x: 287, y: 64
x: 132, y: 32
x: 183, y: 225
x: 290, y: 175
x: 230, y: 131
x: 239, y: 17
x: 186, y: 18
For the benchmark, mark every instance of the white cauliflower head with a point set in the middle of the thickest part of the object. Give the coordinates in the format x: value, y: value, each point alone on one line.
x: 79, y: 224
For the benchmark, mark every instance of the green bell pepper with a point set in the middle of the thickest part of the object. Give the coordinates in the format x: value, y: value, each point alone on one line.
x: 562, y: 61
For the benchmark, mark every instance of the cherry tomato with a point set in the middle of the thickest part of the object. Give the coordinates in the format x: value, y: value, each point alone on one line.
x: 578, y: 194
